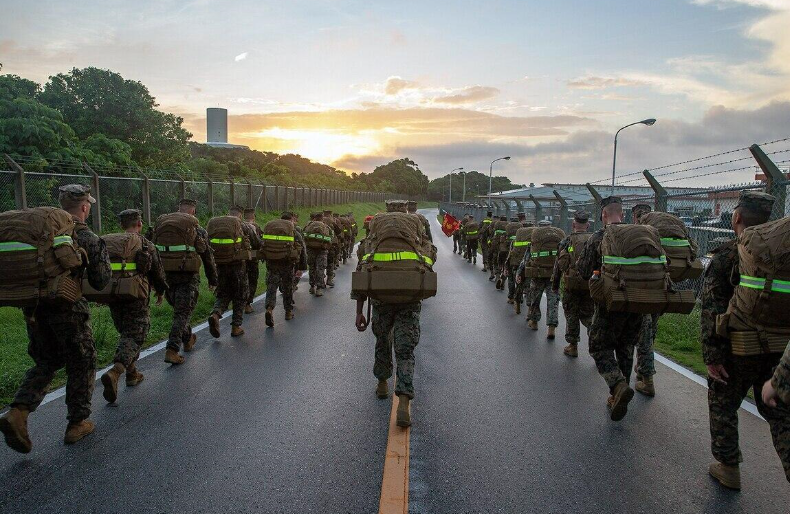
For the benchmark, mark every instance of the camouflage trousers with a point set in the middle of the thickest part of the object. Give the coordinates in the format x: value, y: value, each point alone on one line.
x: 471, y: 250
x: 132, y: 320
x: 484, y: 252
x: 59, y: 337
x: 512, y: 287
x: 231, y: 288
x: 457, y: 242
x: 331, y: 263
x: 613, y: 336
x: 645, y: 358
x: 724, y: 400
x: 535, y: 294
x: 182, y: 294
x: 500, y: 261
x: 317, y: 262
x: 396, y: 326
x: 578, y: 308
x: 253, y: 272
x: 279, y: 275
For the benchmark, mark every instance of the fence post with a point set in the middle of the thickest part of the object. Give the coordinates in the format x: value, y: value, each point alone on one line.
x: 210, y: 191
x: 182, y: 187
x: 20, y: 194
x: 232, y: 193
x: 563, y: 212
x: 538, y: 208
x: 97, y: 195
x: 775, y: 181
x: 146, y: 197
x: 597, y: 198
x: 519, y: 205
x: 661, y: 193
x: 250, y: 203
x: 265, y: 198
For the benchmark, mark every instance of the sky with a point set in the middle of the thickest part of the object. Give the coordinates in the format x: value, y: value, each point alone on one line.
x: 448, y: 84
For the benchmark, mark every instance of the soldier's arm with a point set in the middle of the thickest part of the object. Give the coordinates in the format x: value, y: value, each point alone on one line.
x: 156, y: 275
x: 428, y: 229
x: 98, y: 270
x: 560, y: 263
x: 589, y: 259
x: 210, y: 268
x: 255, y: 239
x: 781, y: 378
x: 717, y: 290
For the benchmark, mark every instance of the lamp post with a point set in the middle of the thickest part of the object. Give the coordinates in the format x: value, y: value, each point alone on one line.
x: 451, y: 183
x: 463, y: 199
x: 491, y: 171
x: 649, y: 122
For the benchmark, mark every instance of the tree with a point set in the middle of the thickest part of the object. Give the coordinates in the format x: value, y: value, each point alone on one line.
x: 400, y: 176
x: 476, y: 184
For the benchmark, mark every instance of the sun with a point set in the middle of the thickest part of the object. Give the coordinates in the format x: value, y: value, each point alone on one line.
x: 324, y: 146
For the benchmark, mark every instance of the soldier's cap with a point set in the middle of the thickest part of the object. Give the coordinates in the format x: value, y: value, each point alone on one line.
x: 74, y: 193
x: 236, y: 208
x: 581, y: 216
x: 610, y: 200
x: 249, y: 211
x: 544, y: 223
x: 514, y: 218
x: 528, y: 224
x: 396, y: 206
x: 327, y: 212
x: 130, y: 215
x: 642, y: 207
x: 187, y: 201
x: 522, y: 215
x: 756, y: 201
x: 316, y: 214
x: 489, y: 213
x: 503, y: 218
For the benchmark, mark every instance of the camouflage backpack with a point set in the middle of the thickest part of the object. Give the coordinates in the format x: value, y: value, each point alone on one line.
x: 543, y: 251
x: 680, y: 249
x: 227, y: 239
x: 176, y: 239
x: 317, y: 235
x: 279, y: 241
x: 520, y: 245
x: 472, y: 230
x: 567, y: 261
x: 128, y: 282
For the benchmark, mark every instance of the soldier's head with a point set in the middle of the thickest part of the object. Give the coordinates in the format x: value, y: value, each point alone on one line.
x: 396, y: 206
x: 411, y: 206
x: 503, y: 218
x: 287, y: 215
x: 76, y: 199
x: 318, y: 216
x: 611, y: 210
x: 489, y: 214
x: 187, y: 205
x: 514, y: 219
x: 249, y: 215
x: 639, y: 209
x: 754, y: 208
x: 581, y: 221
x: 522, y: 216
x: 327, y: 214
x: 236, y: 211
x: 131, y: 220
x: 528, y: 224
x: 471, y: 217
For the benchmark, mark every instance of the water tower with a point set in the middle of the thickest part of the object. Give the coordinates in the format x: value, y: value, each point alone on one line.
x: 216, y: 125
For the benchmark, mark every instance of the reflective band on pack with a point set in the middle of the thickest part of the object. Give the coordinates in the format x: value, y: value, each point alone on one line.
x: 320, y: 237
x: 61, y: 240
x: 472, y: 233
x: 671, y: 241
x: 570, y: 249
x: 543, y: 254
x: 397, y: 256
x: 780, y: 286
x: 175, y: 248
x: 345, y: 230
x: 271, y: 237
x: 627, y: 261
x: 488, y: 221
x: 13, y: 246
x: 497, y: 232
x: 227, y: 241
x: 521, y: 243
x: 120, y: 266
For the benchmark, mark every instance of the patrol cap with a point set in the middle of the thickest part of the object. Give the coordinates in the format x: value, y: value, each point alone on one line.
x: 544, y: 223
x: 609, y: 200
x: 130, y: 216
x: 187, y: 201
x: 581, y: 216
x: 327, y: 212
x: 642, y: 207
x: 489, y: 213
x: 756, y: 201
x: 514, y: 218
x: 73, y: 194
x: 522, y: 215
x: 396, y: 205
x: 503, y: 218
x: 249, y: 211
x: 528, y: 224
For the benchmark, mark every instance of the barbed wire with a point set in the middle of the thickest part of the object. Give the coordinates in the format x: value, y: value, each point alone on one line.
x: 720, y: 172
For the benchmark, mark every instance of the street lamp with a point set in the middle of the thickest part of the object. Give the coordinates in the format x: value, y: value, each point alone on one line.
x: 491, y: 171
x: 463, y: 198
x: 649, y: 122
x: 451, y: 183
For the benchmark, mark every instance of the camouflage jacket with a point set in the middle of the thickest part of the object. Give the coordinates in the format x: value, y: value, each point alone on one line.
x: 209, y: 267
x: 717, y: 289
x: 590, y: 260
x: 302, y: 264
x: 560, y: 265
x: 252, y: 231
x: 97, y: 271
x: 781, y: 378
x: 156, y: 272
x: 484, y: 234
x: 426, y: 225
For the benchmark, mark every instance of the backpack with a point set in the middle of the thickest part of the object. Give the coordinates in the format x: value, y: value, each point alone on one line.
x: 128, y: 282
x: 505, y: 239
x: 498, y: 232
x: 279, y: 241
x: 756, y: 320
x: 472, y: 230
x: 521, y: 245
x: 317, y: 236
x: 567, y: 259
x: 634, y: 275
x: 228, y: 240
x: 543, y: 251
x: 176, y: 239
x: 397, y: 263
x: 39, y: 259
x: 680, y: 249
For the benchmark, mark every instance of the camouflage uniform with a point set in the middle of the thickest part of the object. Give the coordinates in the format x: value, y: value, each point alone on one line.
x: 233, y: 285
x: 280, y: 275
x: 457, y: 248
x: 317, y: 263
x: 745, y: 373
x: 535, y: 293
x: 781, y: 378
x: 253, y: 267
x: 484, y: 235
x: 183, y: 290
x: 613, y: 335
x: 62, y: 336
x: 577, y: 305
x: 645, y: 356
x: 396, y: 325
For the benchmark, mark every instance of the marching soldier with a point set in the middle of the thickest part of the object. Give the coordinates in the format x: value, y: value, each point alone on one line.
x: 485, y: 236
x: 317, y: 236
x: 412, y: 208
x: 253, y: 265
x: 645, y: 357
x: 535, y: 293
x: 280, y: 274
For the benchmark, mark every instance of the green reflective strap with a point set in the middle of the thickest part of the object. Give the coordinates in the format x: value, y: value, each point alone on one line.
x: 217, y: 241
x: 270, y: 237
x: 521, y: 243
x: 671, y: 241
x: 512, y: 238
x: 61, y: 240
x: 397, y: 256
x: 780, y: 286
x: 320, y: 237
x: 628, y: 261
x: 543, y: 254
x: 13, y: 246
x: 474, y: 233
x: 175, y: 248
x: 120, y: 266
x: 570, y: 249
x: 498, y: 232
x: 488, y: 221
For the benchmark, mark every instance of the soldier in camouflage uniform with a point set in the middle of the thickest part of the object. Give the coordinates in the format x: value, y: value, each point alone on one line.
x: 132, y: 318
x: 398, y: 326
x: 535, y: 294
x: 61, y: 336
x: 645, y: 358
x: 253, y: 266
x: 183, y: 288
x: 280, y: 274
x: 730, y: 376
x: 577, y: 305
x: 334, y: 249
x: 317, y: 261
x: 496, y: 257
x: 776, y: 391
x: 232, y: 284
x: 412, y: 208
x: 484, y: 236
x: 613, y: 335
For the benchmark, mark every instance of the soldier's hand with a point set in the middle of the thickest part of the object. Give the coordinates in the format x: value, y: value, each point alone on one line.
x: 769, y: 394
x: 361, y: 322
x: 159, y: 298
x: 718, y: 373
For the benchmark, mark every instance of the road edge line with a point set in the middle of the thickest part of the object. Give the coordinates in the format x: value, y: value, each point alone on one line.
x: 395, y: 479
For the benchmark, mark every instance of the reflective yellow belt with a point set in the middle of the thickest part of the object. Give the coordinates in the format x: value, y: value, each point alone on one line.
x: 521, y: 243
x: 226, y: 241
x: 123, y: 266
x: 780, y: 286
x: 543, y: 254
x: 271, y: 237
x: 671, y: 241
x: 397, y: 256
x: 628, y: 261
x: 176, y: 248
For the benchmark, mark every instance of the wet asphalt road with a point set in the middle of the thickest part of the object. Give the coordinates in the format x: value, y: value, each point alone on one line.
x: 285, y: 420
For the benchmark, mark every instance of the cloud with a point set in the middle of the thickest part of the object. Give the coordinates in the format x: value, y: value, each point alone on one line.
x: 778, y: 5
x: 241, y: 56
x: 395, y: 85
x: 471, y: 94
x: 593, y: 82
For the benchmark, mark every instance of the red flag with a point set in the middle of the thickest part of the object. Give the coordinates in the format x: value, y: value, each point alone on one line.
x: 450, y: 225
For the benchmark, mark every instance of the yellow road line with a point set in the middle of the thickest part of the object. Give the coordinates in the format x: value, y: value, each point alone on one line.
x: 395, y: 482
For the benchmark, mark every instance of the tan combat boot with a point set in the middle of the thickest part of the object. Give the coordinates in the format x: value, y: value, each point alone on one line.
x: 14, y: 427
x: 518, y: 307
x: 572, y: 350
x: 213, y: 325
x: 645, y: 385
x: 78, y: 430
x: 319, y: 291
x: 403, y: 415
x: 236, y: 331
x: 330, y: 282
x: 133, y: 377
x: 511, y: 301
x: 550, y: 333
x: 532, y: 324
x: 248, y: 309
x: 191, y: 343
x: 728, y: 476
x: 289, y: 315
x: 382, y: 389
x: 110, y: 381
x: 621, y: 395
x: 312, y: 289
x: 269, y: 316
x: 172, y: 357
